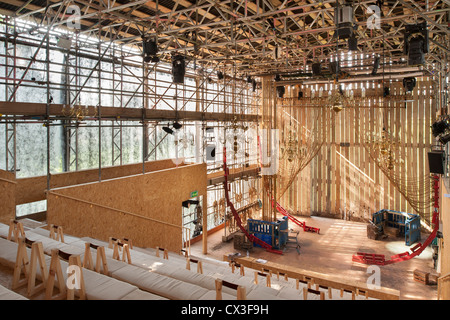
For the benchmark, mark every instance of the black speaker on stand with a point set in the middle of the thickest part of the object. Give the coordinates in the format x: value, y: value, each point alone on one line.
x: 436, y: 161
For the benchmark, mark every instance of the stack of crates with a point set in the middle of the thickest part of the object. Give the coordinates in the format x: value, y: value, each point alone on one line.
x: 273, y: 233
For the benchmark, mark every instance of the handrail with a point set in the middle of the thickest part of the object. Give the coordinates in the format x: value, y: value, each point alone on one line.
x: 7, y: 180
x: 113, y: 209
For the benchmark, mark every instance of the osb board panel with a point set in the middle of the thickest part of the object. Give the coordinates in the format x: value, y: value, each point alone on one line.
x: 7, y: 196
x: 157, y: 195
x: 445, y: 249
x: 33, y: 189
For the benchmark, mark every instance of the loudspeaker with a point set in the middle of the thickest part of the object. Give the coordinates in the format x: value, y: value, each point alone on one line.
x: 436, y: 162
x: 316, y: 69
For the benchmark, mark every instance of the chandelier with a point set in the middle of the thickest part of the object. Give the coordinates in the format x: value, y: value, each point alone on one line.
x: 384, y: 147
x: 289, y: 149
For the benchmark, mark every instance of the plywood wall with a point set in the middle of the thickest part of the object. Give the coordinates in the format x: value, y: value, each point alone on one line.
x: 33, y: 188
x: 145, y: 208
x: 7, y: 196
x: 344, y: 182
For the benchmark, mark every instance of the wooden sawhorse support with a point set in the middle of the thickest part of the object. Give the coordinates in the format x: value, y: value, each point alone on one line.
x: 75, y: 280
x: 199, y: 265
x: 29, y: 266
x: 165, y: 253
x: 240, y: 290
x: 100, y: 260
x: 56, y: 233
x: 15, y: 230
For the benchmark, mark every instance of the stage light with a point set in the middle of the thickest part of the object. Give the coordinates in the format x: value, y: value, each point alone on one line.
x: 168, y: 130
x: 219, y: 75
x: 439, y: 127
x: 178, y: 69
x: 386, y: 91
x: 177, y: 125
x: 150, y: 47
x: 444, y: 138
x: 280, y: 91
x: 150, y: 50
x: 409, y: 83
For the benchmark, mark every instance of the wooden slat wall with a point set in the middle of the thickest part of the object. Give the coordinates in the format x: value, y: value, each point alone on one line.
x: 344, y: 182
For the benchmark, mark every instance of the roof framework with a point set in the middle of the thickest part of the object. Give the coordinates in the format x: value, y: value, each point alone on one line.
x: 243, y: 35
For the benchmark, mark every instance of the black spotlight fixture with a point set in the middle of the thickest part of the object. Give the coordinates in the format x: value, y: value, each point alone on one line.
x: 300, y: 95
x: 444, y: 138
x: 219, y: 75
x: 409, y: 83
x: 177, y: 126
x: 386, y: 91
x: 178, y: 69
x: 167, y: 129
x: 254, y: 85
x: 249, y: 79
x: 281, y: 91
x: 150, y: 50
x: 439, y: 127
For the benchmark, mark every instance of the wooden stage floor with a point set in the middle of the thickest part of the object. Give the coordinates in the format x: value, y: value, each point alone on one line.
x: 330, y: 252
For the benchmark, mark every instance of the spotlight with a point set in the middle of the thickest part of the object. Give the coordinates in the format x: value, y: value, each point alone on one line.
x: 445, y: 138
x: 280, y: 91
x: 219, y: 75
x: 300, y: 95
x: 150, y: 47
x: 249, y: 79
x: 386, y: 91
x: 167, y: 129
x: 177, y: 125
x: 376, y: 64
x: 440, y: 126
x: 409, y: 83
x: 150, y: 50
x: 178, y: 69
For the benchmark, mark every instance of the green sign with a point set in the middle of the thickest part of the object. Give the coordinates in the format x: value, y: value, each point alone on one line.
x: 194, y: 194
